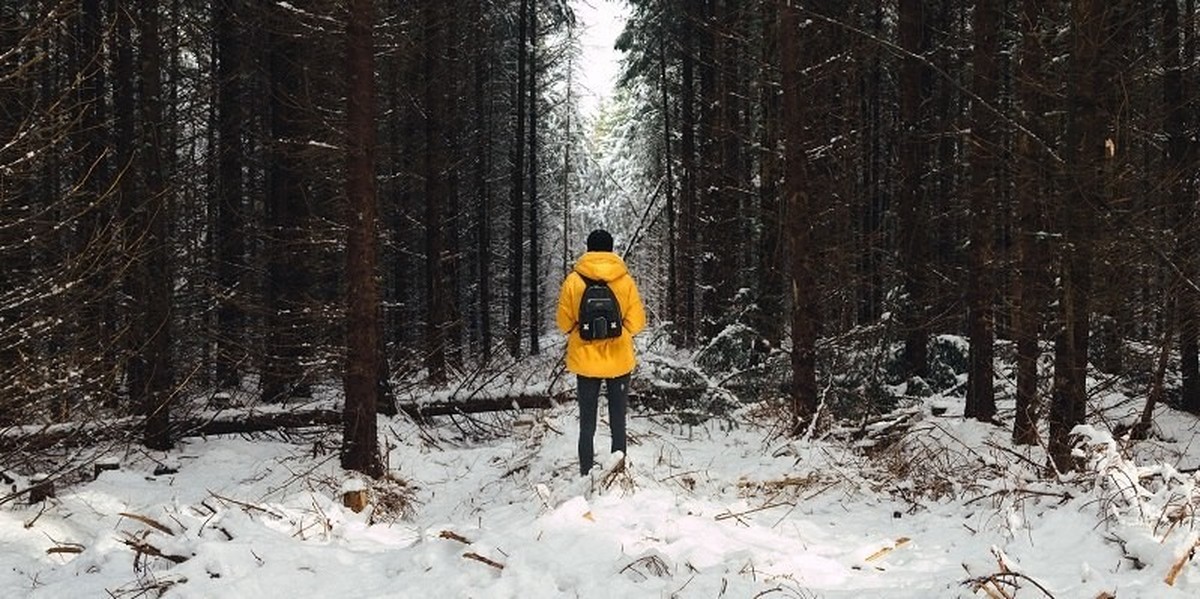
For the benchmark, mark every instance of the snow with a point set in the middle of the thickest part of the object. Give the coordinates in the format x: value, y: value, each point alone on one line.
x: 719, y: 508
x: 600, y: 22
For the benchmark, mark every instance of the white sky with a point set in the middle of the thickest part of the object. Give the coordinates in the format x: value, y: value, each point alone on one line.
x: 601, y: 21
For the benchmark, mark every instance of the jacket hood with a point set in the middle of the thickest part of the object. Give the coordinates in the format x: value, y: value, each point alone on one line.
x: 604, y: 266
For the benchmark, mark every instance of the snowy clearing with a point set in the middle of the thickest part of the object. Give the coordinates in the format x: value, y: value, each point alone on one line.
x: 719, y: 509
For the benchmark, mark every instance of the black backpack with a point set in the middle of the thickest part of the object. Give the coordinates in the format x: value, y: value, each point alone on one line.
x: 599, y: 311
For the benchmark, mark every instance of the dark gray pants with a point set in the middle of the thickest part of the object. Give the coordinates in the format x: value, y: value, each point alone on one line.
x: 617, y: 390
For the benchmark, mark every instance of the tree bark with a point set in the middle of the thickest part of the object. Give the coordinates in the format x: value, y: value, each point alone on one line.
x: 15, y: 188
x: 93, y: 249
x: 724, y: 202
x: 1084, y: 154
x: 535, y: 310
x: 915, y: 93
x: 228, y: 232
x: 709, y: 192
x: 685, y: 325
x: 124, y: 83
x: 483, y: 189
x: 1178, y: 177
x: 289, y: 279
x: 1191, y: 85
x: 799, y: 208
x: 664, y: 37
x: 516, y: 240
x: 360, y: 446
x: 437, y: 192
x: 155, y: 356
x: 874, y: 191
x: 771, y: 268
x: 1032, y: 184
x: 985, y: 184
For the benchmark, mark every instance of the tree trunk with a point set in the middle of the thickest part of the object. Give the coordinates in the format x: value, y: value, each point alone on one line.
x: 1191, y: 85
x: 724, y: 236
x: 453, y: 220
x: 672, y: 307
x: 1178, y: 178
x: 875, y: 206
x: 709, y: 195
x: 567, y: 236
x: 228, y: 234
x: 92, y: 248
x: 124, y: 81
x: 407, y: 308
x: 800, y: 211
x: 771, y: 254
x: 483, y: 167
x: 535, y: 309
x: 915, y: 93
x: 1032, y: 184
x: 985, y: 189
x: 685, y: 325
x: 437, y: 193
x: 516, y: 240
x: 360, y: 446
x: 16, y: 187
x: 1084, y: 153
x: 945, y: 181
x: 289, y: 279
x: 155, y: 355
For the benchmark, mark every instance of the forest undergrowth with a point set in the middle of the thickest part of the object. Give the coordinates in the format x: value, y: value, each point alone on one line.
x: 913, y: 450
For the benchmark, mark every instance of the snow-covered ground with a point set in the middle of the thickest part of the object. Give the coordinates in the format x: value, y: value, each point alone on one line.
x: 720, y: 509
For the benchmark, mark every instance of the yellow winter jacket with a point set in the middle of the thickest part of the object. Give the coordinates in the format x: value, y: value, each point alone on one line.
x: 602, y: 358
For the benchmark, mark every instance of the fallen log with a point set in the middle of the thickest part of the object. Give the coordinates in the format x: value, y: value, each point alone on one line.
x: 231, y: 422
x: 421, y: 411
x: 655, y: 398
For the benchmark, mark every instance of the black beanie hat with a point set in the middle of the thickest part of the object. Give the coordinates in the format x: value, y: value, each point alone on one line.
x: 599, y: 241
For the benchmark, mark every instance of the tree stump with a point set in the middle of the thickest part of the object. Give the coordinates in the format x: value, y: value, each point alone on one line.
x: 355, y: 500
x: 355, y: 494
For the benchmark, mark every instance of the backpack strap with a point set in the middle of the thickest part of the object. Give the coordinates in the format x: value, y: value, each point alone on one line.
x: 587, y: 281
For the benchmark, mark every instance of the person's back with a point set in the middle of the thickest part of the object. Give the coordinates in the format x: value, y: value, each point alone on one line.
x: 609, y: 360
x: 601, y: 358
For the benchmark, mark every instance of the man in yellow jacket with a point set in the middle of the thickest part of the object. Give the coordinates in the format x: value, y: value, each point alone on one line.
x: 607, y: 360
